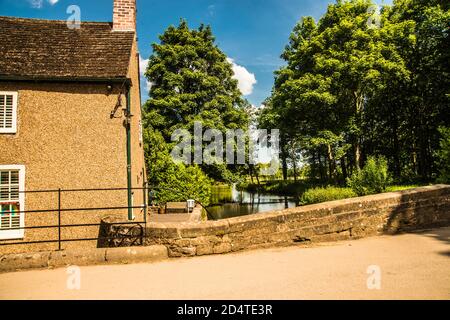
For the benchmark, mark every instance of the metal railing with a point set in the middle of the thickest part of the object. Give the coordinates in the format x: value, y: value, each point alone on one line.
x: 59, y: 210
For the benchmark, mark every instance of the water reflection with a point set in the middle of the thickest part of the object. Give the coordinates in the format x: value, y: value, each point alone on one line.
x: 228, y: 202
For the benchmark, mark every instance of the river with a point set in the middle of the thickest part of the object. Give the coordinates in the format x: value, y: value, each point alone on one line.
x: 227, y: 202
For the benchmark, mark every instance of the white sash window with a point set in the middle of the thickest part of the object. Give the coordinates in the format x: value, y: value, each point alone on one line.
x: 12, y: 201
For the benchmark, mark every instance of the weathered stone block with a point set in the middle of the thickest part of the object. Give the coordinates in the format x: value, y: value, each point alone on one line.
x: 162, y: 231
x: 209, y: 228
x: 183, y: 242
x: 189, y: 251
x: 222, y: 248
x: 136, y: 254
x: 174, y: 252
x: 205, y: 249
x: 77, y: 257
x: 14, y: 262
x: 280, y: 237
x: 255, y: 222
x: 177, y: 251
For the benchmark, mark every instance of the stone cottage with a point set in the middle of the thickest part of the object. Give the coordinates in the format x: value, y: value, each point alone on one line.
x: 70, y: 119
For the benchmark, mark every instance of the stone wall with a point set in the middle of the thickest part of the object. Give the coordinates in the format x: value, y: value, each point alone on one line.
x: 114, y: 233
x: 338, y: 220
x: 81, y: 257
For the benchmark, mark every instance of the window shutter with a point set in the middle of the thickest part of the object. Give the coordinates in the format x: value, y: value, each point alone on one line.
x: 11, y: 202
x: 9, y: 220
x: 8, y: 112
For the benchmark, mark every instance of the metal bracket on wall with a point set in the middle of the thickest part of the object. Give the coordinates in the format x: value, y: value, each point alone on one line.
x: 118, y: 105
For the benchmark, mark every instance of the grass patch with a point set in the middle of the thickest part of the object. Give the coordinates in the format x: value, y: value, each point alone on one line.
x: 318, y: 195
x: 401, y: 187
x: 330, y: 193
x: 279, y: 187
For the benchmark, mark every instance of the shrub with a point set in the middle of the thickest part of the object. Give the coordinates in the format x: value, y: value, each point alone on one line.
x: 443, y: 156
x: 173, y: 181
x: 318, y: 195
x: 373, y: 178
x: 181, y: 183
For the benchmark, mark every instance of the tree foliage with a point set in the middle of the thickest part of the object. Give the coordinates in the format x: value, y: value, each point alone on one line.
x: 351, y: 89
x: 443, y: 156
x: 373, y: 178
x: 173, y: 181
x: 192, y: 82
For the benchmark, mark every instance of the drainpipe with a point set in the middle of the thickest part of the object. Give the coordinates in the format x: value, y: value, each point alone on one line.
x: 128, y: 128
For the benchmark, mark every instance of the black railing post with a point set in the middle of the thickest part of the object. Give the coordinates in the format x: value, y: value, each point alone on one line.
x: 144, y: 233
x: 59, y: 219
x: 60, y: 210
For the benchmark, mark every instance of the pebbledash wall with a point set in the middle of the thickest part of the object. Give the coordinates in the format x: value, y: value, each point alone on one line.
x: 338, y: 220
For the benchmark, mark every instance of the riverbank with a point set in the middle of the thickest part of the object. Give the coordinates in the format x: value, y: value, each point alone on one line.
x: 279, y: 187
x: 247, y: 199
x: 228, y: 202
x: 318, y: 191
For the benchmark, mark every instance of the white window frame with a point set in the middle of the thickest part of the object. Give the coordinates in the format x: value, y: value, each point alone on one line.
x: 16, y: 234
x: 13, y: 129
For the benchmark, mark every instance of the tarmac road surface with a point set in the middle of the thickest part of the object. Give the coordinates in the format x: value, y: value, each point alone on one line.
x: 408, y: 266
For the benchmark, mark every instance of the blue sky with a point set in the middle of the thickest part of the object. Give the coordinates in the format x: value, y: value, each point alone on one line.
x: 251, y: 32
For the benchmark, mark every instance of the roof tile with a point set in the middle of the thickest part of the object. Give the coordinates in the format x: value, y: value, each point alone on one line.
x: 32, y: 48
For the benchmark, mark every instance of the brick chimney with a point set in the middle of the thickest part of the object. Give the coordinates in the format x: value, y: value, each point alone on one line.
x: 124, y: 15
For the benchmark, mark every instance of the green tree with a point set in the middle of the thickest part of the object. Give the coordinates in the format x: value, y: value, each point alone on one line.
x: 351, y: 89
x: 192, y: 81
x: 426, y: 95
x: 173, y: 181
x: 443, y: 156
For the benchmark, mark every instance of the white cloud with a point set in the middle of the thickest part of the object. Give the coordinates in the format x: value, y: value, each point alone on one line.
x: 38, y: 4
x: 143, y: 64
x: 246, y: 80
x: 211, y: 10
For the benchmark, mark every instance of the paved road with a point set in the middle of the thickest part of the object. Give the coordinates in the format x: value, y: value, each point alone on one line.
x: 413, y: 266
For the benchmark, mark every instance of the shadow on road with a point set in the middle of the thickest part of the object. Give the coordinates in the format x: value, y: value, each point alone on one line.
x: 442, y: 234
x: 432, y: 214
